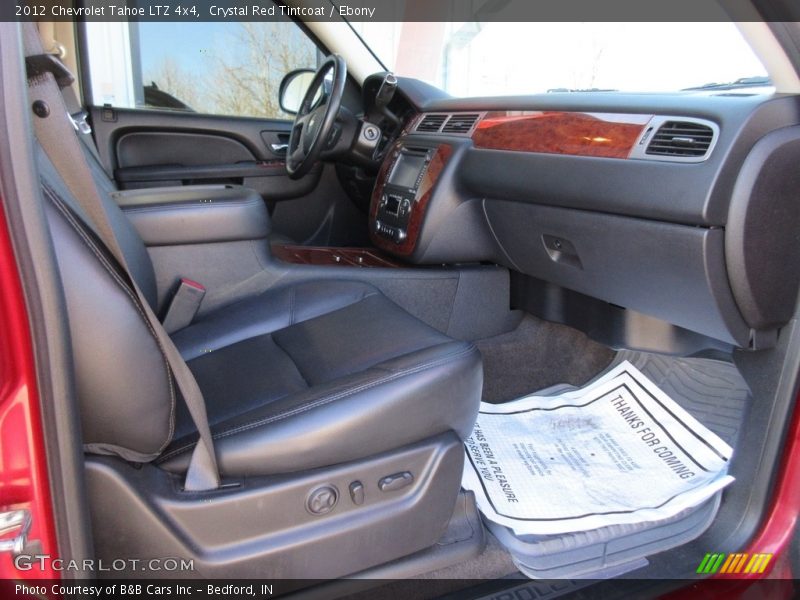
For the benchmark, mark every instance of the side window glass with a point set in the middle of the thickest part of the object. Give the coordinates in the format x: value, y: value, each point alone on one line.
x: 224, y: 68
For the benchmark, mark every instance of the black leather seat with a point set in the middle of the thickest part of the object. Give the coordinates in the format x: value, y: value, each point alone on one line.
x: 338, y: 417
x: 318, y: 374
x: 299, y: 377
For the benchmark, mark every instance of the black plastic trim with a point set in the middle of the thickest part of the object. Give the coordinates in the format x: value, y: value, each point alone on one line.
x: 762, y: 242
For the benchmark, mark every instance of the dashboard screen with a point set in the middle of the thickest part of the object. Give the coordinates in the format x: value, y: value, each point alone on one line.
x: 406, y: 170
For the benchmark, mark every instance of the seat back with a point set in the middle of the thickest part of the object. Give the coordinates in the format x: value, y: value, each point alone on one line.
x: 124, y: 386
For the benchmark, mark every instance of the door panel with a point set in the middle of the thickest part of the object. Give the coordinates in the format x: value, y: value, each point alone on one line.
x: 146, y: 148
x: 276, y: 141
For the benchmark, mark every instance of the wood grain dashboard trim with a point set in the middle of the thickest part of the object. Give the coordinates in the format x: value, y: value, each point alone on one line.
x: 332, y: 256
x: 609, y: 135
x: 438, y: 162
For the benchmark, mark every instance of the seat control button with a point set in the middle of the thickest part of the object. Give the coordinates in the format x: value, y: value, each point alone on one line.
x: 394, y: 482
x: 357, y: 493
x: 322, y: 500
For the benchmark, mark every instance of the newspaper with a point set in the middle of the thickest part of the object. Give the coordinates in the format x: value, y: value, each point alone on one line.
x: 616, y: 451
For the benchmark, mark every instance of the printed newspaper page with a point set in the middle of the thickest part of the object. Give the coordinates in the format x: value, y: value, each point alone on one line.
x: 617, y: 451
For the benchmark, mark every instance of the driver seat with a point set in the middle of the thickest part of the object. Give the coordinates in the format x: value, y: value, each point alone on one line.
x: 299, y: 377
x: 312, y: 390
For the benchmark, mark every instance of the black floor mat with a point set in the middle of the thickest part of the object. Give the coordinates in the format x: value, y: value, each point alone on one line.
x: 712, y: 391
x: 715, y: 394
x: 536, y: 355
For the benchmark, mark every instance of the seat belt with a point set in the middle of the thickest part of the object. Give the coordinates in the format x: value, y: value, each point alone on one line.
x: 79, y: 118
x: 55, y: 133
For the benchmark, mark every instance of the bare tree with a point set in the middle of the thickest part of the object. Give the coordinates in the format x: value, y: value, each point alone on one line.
x: 245, y: 80
x: 171, y: 78
x: 593, y: 44
x: 596, y: 60
x: 244, y: 71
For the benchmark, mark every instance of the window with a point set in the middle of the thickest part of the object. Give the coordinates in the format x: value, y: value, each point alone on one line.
x: 501, y: 58
x: 224, y: 68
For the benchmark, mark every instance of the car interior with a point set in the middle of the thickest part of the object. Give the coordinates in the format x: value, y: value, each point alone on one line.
x: 345, y: 285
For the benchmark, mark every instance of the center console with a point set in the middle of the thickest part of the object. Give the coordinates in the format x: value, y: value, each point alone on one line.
x: 195, y: 214
x: 329, y: 256
x: 402, y: 192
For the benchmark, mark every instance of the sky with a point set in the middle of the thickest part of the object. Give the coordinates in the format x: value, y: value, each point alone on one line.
x: 525, y: 58
x: 508, y: 58
x: 189, y: 43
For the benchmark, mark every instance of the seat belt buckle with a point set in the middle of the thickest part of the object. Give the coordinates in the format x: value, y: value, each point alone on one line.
x: 80, y: 123
x: 184, y: 305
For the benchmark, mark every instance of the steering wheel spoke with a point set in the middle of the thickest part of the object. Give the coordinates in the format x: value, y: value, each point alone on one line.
x: 296, y: 156
x: 313, y: 124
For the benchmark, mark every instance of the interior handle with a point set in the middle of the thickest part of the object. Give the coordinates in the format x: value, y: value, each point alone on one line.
x: 279, y: 147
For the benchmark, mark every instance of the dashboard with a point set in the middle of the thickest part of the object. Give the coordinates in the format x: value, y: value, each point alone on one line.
x: 680, y: 206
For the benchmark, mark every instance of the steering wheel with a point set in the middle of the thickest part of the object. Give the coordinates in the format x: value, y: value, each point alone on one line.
x: 314, y: 121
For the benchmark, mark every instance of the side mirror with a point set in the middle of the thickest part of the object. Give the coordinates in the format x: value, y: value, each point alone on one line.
x: 293, y: 88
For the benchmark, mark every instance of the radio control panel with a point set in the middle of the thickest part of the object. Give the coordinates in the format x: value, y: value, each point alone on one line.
x: 403, y: 190
x: 398, y: 198
x: 394, y: 211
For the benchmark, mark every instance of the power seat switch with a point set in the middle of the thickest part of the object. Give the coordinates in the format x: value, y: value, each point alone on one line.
x: 357, y: 493
x: 398, y: 481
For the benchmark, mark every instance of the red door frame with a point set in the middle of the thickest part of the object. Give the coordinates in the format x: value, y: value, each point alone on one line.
x: 24, y: 482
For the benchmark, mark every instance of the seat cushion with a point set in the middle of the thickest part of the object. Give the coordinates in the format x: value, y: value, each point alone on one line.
x: 320, y: 373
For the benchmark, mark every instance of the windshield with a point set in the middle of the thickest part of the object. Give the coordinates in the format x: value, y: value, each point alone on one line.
x: 497, y: 59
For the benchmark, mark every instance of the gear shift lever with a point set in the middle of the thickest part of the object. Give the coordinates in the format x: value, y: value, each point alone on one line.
x: 386, y: 91
x: 385, y: 95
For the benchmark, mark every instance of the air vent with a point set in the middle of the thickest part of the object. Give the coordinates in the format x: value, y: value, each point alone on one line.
x: 431, y: 123
x: 460, y: 123
x: 681, y: 139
